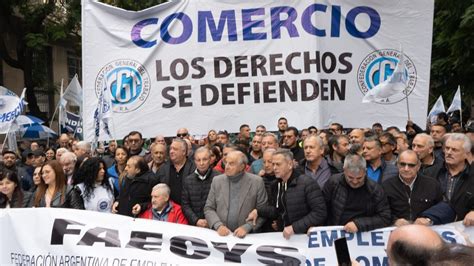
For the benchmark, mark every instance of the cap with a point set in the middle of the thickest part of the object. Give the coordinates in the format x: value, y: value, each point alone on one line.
x: 8, y: 152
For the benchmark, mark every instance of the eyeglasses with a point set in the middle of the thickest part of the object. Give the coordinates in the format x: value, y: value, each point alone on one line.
x: 410, y: 165
x: 181, y: 135
x: 133, y: 140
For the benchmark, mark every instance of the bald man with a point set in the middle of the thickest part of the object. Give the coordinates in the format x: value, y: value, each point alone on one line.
x: 233, y: 196
x: 413, y: 245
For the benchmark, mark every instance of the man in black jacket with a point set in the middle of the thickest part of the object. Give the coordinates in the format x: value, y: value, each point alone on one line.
x: 457, y: 181
x: 176, y: 169
x: 296, y: 202
x: 135, y: 193
x: 196, y: 187
x: 355, y: 201
x: 411, y: 193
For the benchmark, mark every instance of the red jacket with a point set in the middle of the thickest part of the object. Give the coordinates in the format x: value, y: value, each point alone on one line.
x: 174, y: 216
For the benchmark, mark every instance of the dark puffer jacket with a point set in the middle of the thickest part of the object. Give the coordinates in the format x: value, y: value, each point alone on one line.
x: 377, y: 210
x: 135, y: 191
x: 194, y: 195
x: 304, y: 204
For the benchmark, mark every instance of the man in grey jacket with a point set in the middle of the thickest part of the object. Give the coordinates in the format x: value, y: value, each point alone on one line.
x: 233, y: 196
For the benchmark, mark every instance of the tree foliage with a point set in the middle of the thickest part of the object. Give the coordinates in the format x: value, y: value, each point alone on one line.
x: 453, y: 50
x: 134, y: 5
x: 33, y: 26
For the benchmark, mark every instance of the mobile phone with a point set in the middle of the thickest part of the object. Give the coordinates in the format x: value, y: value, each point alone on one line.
x: 342, y: 252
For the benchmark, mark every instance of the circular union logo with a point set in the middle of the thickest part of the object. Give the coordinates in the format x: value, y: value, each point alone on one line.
x: 103, y: 204
x: 127, y: 82
x: 378, y: 66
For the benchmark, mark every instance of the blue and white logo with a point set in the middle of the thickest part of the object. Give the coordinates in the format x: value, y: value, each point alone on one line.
x: 127, y: 82
x: 378, y: 66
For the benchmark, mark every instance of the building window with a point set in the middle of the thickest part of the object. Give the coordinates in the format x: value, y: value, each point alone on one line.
x: 74, y: 66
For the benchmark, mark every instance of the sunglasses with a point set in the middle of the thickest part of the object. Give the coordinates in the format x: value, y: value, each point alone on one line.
x: 181, y: 135
x: 410, y: 165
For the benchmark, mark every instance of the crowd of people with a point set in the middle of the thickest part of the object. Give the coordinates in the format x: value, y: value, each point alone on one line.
x: 286, y: 181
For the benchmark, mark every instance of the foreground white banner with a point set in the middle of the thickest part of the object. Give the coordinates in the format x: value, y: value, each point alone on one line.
x: 206, y: 64
x: 74, y: 237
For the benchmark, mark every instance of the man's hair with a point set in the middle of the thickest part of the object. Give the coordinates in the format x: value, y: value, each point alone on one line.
x: 163, y: 188
x: 335, y: 140
x: 270, y: 150
x: 446, y: 129
x: 430, y: 141
x: 183, y: 143
x: 339, y: 126
x: 286, y: 153
x: 453, y: 254
x: 390, y: 138
x: 403, y: 253
x: 203, y: 149
x: 231, y: 146
x: 312, y: 127
x: 354, y: 163
x: 282, y: 118
x: 467, y: 145
x: 223, y: 132
x: 377, y: 124
x: 294, y: 129
x: 84, y: 145
x: 443, y: 116
x: 243, y: 125
x: 68, y: 156
x: 392, y: 128
x: 375, y: 139
x: 140, y: 163
x: 318, y: 139
x: 262, y: 126
x: 270, y: 134
x: 135, y: 133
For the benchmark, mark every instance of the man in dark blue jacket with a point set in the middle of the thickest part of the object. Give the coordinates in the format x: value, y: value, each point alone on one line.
x: 295, y: 203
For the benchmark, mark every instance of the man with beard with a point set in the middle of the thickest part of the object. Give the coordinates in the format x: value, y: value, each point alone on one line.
x: 338, y: 149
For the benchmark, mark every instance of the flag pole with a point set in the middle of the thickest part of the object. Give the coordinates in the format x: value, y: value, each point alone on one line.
x: 408, y: 106
x: 54, y: 113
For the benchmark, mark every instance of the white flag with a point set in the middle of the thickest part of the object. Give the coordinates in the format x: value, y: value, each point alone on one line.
x: 11, y: 106
x: 62, y: 109
x: 73, y: 93
x: 103, y: 112
x: 396, y: 83
x: 437, y: 108
x: 456, y: 103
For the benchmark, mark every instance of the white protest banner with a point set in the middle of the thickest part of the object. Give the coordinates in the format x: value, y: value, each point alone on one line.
x: 50, y: 236
x: 206, y: 64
